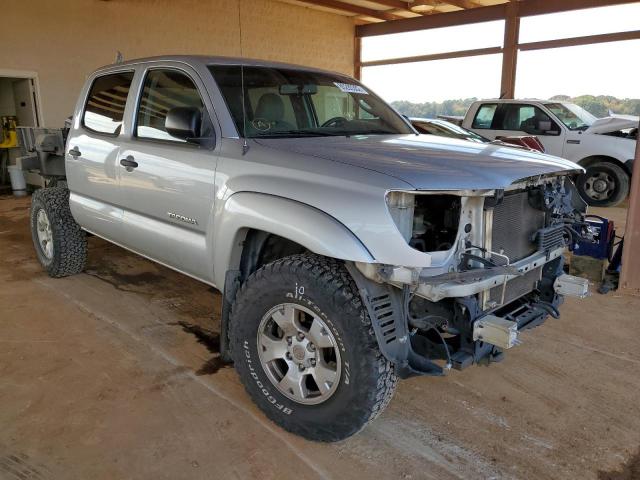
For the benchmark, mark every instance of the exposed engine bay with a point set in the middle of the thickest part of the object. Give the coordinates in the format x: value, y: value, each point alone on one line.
x: 499, y: 277
x: 435, y: 222
x: 630, y: 133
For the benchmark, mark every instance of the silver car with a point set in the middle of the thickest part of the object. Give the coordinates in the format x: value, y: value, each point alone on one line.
x: 349, y: 249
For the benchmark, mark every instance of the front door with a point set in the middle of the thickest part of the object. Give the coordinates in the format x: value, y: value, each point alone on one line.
x: 166, y: 183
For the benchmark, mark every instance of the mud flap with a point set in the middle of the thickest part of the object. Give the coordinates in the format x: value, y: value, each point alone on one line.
x: 231, y: 285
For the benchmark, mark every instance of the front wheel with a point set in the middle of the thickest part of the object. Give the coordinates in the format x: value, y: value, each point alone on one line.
x: 603, y: 185
x: 305, y: 350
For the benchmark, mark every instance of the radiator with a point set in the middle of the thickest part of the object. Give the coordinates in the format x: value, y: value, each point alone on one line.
x: 514, y: 225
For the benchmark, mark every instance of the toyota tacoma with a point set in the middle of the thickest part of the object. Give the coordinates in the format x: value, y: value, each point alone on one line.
x: 350, y: 250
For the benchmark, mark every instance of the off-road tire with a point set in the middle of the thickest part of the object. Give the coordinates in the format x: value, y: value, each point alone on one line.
x: 367, y: 382
x: 620, y: 177
x: 69, y: 240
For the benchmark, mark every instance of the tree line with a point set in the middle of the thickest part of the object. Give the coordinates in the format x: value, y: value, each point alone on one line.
x: 600, y: 106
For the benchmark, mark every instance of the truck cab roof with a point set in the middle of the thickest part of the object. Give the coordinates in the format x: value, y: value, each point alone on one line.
x: 204, y: 60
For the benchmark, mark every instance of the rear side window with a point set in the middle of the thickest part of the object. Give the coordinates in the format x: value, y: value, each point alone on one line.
x: 484, y: 116
x: 107, y: 98
x: 162, y: 91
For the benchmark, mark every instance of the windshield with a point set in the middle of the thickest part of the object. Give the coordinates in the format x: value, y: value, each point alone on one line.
x: 281, y: 102
x: 573, y: 116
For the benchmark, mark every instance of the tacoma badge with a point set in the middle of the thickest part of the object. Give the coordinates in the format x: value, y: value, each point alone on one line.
x: 182, y: 218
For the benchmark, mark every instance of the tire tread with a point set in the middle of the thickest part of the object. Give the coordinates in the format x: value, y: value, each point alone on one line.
x: 344, y: 295
x: 70, y: 241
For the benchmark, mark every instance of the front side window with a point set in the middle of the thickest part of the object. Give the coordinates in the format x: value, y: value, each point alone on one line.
x: 527, y: 118
x: 280, y: 102
x: 162, y: 91
x: 104, y: 110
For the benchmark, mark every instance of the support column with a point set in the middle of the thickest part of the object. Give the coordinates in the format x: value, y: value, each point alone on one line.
x: 510, y: 50
x: 630, y: 275
x: 357, y: 57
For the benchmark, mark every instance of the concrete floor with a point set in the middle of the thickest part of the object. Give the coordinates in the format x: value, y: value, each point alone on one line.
x: 114, y: 374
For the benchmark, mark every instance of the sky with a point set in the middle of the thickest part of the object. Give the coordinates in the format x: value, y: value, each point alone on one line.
x: 601, y: 69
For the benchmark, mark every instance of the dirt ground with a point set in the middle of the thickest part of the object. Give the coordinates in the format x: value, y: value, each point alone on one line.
x: 114, y: 374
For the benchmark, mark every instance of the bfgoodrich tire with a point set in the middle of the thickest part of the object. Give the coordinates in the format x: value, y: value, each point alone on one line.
x: 305, y: 350
x: 60, y: 244
x: 604, y: 184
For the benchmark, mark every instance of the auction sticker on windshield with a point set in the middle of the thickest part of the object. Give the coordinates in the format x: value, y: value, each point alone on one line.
x: 349, y: 88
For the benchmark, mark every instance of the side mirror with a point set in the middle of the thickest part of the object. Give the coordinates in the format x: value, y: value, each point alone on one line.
x: 184, y: 122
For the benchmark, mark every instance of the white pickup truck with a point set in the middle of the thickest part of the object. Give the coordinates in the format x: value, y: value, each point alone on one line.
x: 603, y: 146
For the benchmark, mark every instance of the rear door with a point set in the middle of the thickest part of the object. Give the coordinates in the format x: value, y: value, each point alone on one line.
x: 168, y: 195
x: 92, y: 153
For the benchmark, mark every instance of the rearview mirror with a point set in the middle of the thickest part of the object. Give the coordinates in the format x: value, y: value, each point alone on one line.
x: 183, y: 122
x: 293, y: 89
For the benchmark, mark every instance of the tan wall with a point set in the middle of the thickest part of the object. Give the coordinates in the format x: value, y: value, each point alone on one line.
x: 64, y: 40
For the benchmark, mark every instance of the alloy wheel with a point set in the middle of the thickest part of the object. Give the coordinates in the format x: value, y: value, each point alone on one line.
x: 299, y: 353
x: 45, y: 235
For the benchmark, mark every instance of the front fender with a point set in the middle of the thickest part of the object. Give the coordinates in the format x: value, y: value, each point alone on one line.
x: 306, y: 225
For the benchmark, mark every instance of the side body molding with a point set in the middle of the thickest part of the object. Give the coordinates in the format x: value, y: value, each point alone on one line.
x: 298, y: 222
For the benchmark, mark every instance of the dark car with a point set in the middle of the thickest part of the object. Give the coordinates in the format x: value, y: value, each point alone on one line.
x: 443, y: 128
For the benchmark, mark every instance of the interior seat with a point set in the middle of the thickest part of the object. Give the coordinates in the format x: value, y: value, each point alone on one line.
x: 271, y: 108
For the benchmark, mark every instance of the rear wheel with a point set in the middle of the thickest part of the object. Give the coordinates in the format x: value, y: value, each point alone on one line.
x: 60, y: 244
x: 603, y: 184
x: 305, y: 350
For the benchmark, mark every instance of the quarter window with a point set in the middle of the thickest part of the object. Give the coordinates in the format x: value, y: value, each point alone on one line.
x: 484, y: 116
x: 162, y: 91
x: 107, y: 98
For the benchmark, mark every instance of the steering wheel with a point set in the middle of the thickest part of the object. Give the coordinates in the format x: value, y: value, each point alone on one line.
x: 334, y: 122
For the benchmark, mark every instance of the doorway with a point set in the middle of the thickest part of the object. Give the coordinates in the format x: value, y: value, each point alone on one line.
x: 19, y: 107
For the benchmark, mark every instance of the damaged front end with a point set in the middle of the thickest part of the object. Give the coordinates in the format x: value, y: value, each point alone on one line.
x: 496, y: 268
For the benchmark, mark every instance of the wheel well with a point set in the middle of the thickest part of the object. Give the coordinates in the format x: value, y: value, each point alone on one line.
x: 260, y: 248
x: 588, y: 161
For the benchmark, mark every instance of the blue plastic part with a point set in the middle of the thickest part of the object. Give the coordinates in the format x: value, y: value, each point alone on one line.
x: 604, y: 236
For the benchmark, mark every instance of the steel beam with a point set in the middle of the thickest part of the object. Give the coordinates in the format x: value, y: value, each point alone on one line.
x: 630, y: 275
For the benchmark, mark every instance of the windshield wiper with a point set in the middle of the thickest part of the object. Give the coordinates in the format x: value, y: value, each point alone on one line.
x: 289, y: 133
x: 376, y: 132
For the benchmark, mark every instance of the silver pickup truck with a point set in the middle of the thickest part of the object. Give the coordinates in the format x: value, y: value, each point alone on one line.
x: 350, y: 251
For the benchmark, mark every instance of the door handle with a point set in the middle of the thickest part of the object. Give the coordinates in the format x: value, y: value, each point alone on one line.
x: 129, y: 163
x: 75, y: 152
